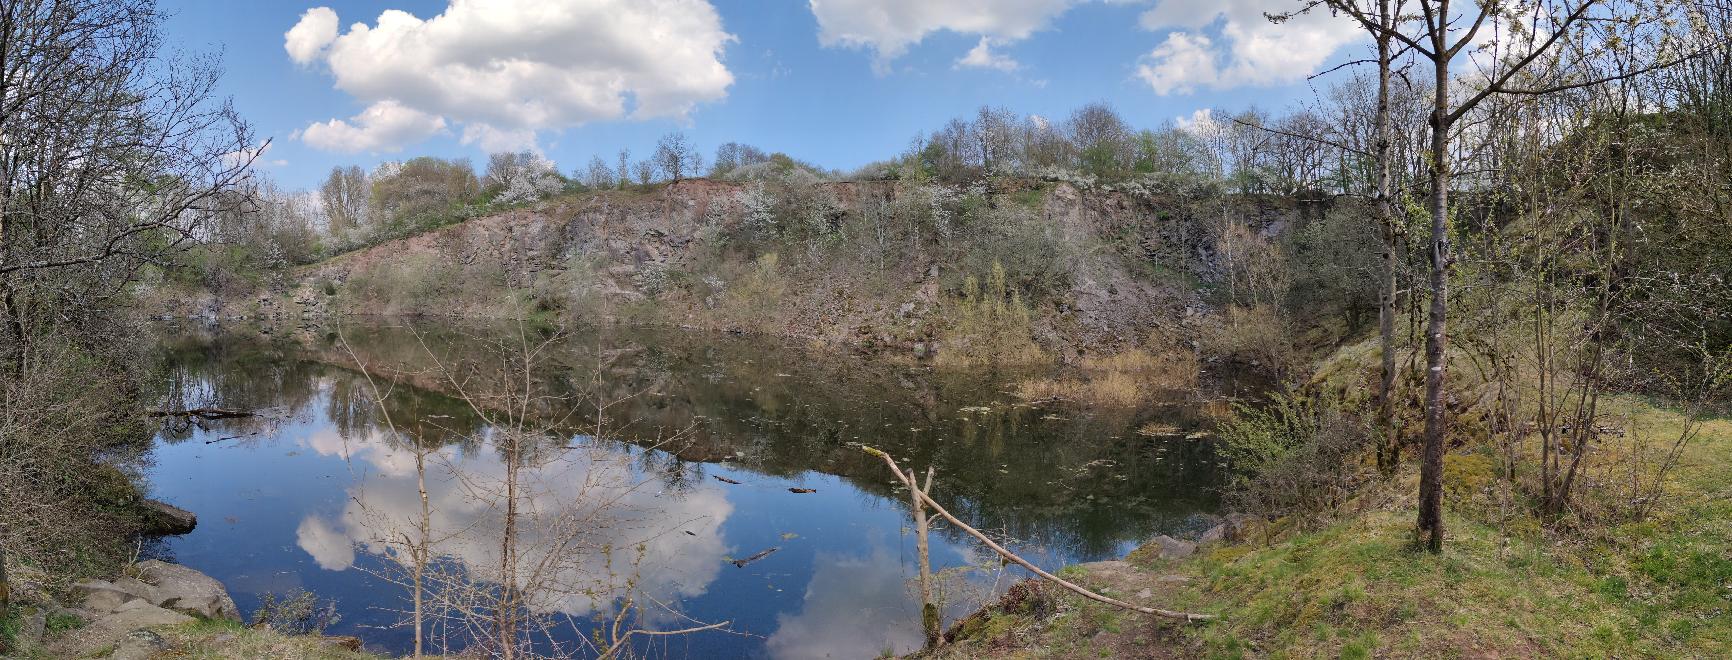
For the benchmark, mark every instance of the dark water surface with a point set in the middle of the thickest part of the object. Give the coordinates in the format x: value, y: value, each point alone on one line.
x: 316, y: 493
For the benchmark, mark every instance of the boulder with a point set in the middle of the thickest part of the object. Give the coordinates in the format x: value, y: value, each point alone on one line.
x: 1162, y: 547
x: 112, y: 630
x: 101, y: 597
x: 185, y: 590
x: 164, y: 519
x: 138, y: 588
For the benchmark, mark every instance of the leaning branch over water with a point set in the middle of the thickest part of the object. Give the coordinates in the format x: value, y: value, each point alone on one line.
x: 907, y: 479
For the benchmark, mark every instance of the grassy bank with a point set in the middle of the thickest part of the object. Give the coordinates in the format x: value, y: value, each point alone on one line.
x: 1505, y: 585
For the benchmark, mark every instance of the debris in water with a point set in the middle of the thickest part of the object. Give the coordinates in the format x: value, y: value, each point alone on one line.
x: 789, y: 536
x: 741, y: 563
x: 725, y: 480
x: 802, y: 490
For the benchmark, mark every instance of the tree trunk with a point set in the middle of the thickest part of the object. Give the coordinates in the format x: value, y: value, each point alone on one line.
x: 1436, y: 337
x: 1389, y: 455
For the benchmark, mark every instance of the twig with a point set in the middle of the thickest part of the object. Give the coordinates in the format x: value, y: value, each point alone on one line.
x: 908, y: 480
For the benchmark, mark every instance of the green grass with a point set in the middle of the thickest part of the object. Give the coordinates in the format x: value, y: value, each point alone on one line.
x: 1357, y: 588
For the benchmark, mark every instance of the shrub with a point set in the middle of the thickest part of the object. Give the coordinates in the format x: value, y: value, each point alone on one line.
x: 1295, y: 455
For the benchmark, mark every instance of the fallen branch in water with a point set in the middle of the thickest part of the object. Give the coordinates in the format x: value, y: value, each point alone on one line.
x: 741, y: 563
x: 908, y: 480
x: 232, y: 437
x: 204, y: 413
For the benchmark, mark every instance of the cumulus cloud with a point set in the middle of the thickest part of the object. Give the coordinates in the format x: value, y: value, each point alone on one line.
x: 1179, y: 63
x: 385, y: 126
x: 1247, y: 48
x: 506, y: 69
x: 309, y: 37
x: 982, y: 57
x: 890, y: 27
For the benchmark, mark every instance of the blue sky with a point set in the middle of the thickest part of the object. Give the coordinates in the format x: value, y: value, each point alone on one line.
x: 837, y: 82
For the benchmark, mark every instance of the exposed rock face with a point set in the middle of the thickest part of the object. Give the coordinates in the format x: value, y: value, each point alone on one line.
x: 626, y: 247
x: 185, y: 590
x: 163, y: 519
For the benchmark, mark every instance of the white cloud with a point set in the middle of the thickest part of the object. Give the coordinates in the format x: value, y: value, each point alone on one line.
x: 493, y: 140
x: 385, y: 126
x: 1248, y: 49
x: 982, y: 57
x: 517, y: 67
x: 1201, y: 123
x: 309, y: 37
x: 890, y: 27
x: 1178, y: 64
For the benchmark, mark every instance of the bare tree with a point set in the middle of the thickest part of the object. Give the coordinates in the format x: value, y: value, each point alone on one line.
x: 598, y: 176
x: 112, y: 157
x: 676, y: 157
x: 344, y: 195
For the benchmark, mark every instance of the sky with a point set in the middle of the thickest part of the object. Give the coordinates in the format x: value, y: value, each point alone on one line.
x: 839, y: 83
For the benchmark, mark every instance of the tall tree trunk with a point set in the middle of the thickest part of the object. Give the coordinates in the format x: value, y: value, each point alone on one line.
x: 1436, y: 337
x: 1389, y: 455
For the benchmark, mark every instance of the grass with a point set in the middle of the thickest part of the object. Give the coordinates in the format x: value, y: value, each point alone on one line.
x: 1657, y: 587
x: 215, y: 639
x: 1122, y: 380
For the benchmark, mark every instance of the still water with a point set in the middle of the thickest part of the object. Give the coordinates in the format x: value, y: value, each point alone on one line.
x: 627, y: 483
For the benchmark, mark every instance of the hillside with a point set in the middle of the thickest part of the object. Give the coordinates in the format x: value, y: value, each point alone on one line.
x: 880, y: 265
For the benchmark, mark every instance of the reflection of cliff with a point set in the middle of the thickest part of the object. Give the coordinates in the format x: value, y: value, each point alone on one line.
x: 1073, y: 480
x: 586, y: 518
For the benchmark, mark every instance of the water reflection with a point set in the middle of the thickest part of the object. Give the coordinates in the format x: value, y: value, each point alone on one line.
x: 1067, y: 485
x: 674, y: 538
x: 853, y: 603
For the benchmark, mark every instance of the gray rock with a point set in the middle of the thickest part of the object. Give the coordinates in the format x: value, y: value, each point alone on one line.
x: 1215, y: 534
x: 1168, y: 547
x: 163, y: 519
x: 139, y: 644
x: 185, y: 590
x: 138, y: 588
x: 111, y: 631
x: 102, y: 601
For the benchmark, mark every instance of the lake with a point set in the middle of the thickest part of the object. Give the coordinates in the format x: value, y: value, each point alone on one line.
x: 649, y: 464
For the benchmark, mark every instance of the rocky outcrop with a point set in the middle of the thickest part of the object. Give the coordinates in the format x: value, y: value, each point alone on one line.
x: 659, y: 257
x: 119, y: 614
x: 182, y: 589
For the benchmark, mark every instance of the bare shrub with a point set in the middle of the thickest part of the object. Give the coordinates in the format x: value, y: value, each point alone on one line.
x: 1295, y: 456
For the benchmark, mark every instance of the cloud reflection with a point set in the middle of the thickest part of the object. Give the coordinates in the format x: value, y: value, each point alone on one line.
x: 853, y: 605
x: 586, y: 518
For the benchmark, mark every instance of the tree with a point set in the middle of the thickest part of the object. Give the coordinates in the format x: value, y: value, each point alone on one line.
x: 422, y: 192
x: 1101, y: 138
x: 344, y: 195
x: 645, y: 171
x: 114, y: 157
x: 676, y: 157
x: 1524, y: 60
x: 624, y: 168
x: 598, y: 176
x: 523, y: 176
